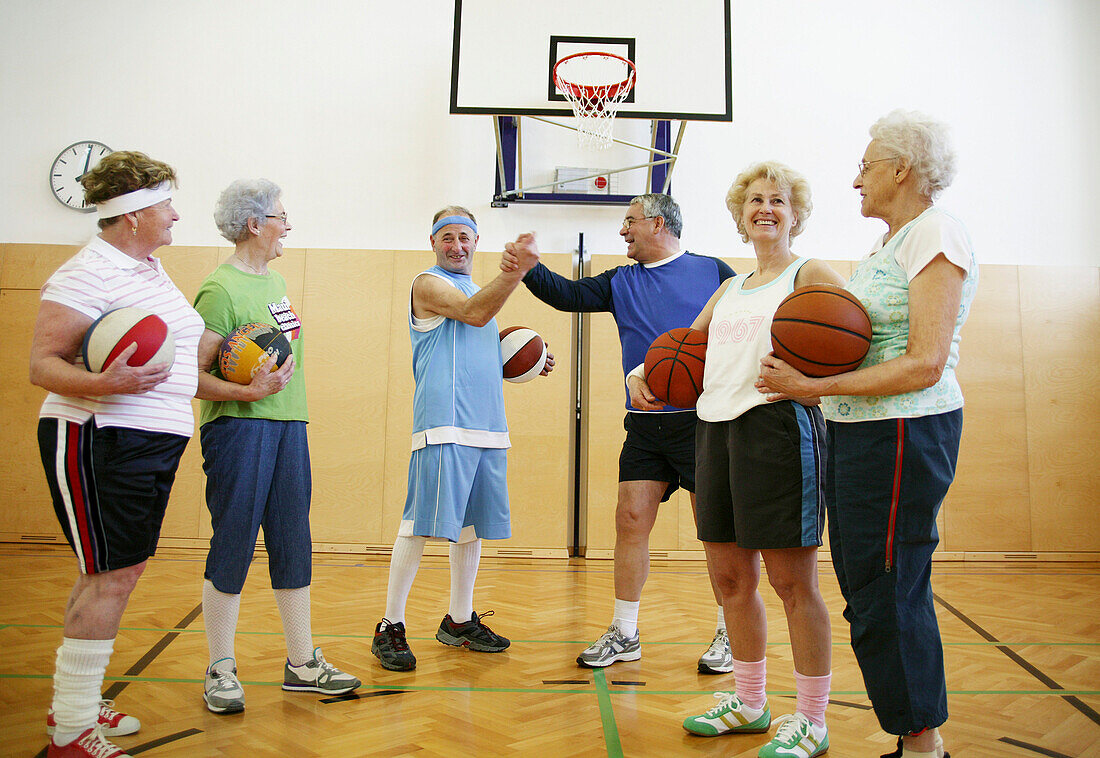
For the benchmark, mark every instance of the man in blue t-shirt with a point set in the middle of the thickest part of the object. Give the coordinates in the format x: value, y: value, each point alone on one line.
x: 457, y: 472
x: 663, y: 289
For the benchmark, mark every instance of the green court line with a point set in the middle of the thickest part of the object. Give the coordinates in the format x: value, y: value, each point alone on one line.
x: 599, y: 687
x: 607, y: 716
x: 201, y: 630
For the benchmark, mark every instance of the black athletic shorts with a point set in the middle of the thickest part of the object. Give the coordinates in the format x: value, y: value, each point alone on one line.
x: 659, y: 447
x: 110, y: 487
x: 761, y: 478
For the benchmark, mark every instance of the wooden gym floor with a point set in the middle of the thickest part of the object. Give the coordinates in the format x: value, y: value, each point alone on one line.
x: 1022, y: 644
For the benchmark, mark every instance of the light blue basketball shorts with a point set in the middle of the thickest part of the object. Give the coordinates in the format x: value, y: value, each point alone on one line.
x: 456, y: 489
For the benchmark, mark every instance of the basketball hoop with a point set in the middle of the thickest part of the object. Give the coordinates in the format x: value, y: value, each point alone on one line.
x: 595, y: 84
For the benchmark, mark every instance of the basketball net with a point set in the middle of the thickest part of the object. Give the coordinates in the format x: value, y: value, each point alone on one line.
x: 595, y: 84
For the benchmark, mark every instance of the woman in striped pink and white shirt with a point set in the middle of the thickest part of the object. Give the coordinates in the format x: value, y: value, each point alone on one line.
x: 110, y: 441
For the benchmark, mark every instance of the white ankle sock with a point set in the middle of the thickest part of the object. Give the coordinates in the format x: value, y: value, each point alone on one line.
x: 465, y: 558
x: 403, y: 565
x: 626, y: 616
x: 721, y: 620
x: 77, y: 683
x: 294, y: 609
x: 219, y: 614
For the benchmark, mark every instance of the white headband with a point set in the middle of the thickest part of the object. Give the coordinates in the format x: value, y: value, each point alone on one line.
x: 134, y: 201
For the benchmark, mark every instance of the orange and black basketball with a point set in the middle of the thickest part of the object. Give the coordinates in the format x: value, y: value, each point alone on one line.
x: 821, y: 330
x: 674, y: 366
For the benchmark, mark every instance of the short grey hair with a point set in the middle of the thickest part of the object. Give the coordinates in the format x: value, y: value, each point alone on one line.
x: 452, y: 210
x: 655, y: 204
x: 922, y: 141
x: 242, y: 200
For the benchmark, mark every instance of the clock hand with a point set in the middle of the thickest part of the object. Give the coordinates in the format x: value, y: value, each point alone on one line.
x: 87, y: 160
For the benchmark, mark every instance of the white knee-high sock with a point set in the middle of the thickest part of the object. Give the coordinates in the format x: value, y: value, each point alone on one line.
x: 220, y: 611
x: 465, y: 558
x: 403, y: 565
x: 77, y: 681
x: 297, y: 629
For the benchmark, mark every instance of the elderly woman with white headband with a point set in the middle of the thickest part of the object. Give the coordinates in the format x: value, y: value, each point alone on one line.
x: 242, y: 424
x: 894, y: 425
x: 110, y: 441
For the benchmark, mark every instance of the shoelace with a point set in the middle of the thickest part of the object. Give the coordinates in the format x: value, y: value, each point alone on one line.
x: 791, y: 727
x: 97, y: 745
x: 224, y: 680
x: 107, y: 710
x: 719, y: 645
x: 608, y: 637
x: 397, y: 636
x: 725, y: 699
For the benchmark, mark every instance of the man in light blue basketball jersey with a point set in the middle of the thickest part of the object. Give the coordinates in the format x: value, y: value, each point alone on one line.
x: 457, y: 484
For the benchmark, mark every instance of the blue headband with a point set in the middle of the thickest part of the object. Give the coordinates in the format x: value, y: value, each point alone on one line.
x: 453, y: 220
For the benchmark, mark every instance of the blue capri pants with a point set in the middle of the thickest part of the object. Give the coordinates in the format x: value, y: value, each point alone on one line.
x: 885, y: 481
x: 257, y: 474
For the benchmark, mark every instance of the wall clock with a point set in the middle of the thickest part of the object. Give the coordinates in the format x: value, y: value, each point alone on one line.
x: 71, y: 164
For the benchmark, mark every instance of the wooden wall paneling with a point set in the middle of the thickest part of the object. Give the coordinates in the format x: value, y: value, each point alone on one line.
x: 1060, y: 314
x: 399, y: 398
x: 606, y: 408
x: 346, y: 323
x: 25, y: 505
x: 27, y: 266
x: 540, y: 414
x: 991, y: 481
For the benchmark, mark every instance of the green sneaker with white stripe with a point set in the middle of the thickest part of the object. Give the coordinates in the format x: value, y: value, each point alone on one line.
x: 730, y: 716
x: 797, y: 737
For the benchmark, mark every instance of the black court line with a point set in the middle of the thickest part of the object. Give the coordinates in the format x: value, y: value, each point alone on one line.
x: 162, y: 741
x: 841, y: 703
x: 566, y: 681
x: 360, y: 696
x: 1012, y: 655
x: 628, y: 683
x: 1033, y: 748
x: 116, y: 687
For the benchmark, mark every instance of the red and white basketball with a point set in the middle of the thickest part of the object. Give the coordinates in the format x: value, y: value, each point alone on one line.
x: 523, y: 353
x: 116, y: 330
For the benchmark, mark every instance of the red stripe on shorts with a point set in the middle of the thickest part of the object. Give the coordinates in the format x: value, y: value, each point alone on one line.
x: 76, y: 491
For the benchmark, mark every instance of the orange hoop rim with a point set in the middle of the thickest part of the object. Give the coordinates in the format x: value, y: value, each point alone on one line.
x: 595, y: 91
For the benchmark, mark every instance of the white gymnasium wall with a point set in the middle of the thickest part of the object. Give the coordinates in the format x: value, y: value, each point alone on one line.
x: 344, y: 103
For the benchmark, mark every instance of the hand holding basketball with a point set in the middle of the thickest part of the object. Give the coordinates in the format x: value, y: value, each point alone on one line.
x: 641, y: 396
x: 266, y: 383
x: 782, y: 381
x: 120, y: 378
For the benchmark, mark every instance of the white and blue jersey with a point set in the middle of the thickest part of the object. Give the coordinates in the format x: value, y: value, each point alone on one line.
x: 459, y: 376
x: 645, y: 299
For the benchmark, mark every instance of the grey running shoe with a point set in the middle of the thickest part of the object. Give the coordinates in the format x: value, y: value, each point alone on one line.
x: 223, y: 692
x: 610, y: 647
x: 472, y: 634
x: 391, y: 647
x: 318, y: 675
x: 718, y: 659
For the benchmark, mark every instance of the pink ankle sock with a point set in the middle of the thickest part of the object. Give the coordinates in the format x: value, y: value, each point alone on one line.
x: 751, y: 678
x: 812, y: 696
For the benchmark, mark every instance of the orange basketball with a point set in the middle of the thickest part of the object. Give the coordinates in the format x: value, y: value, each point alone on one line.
x: 821, y: 330
x: 674, y: 366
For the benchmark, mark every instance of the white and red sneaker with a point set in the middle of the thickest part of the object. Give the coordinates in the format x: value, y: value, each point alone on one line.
x: 90, y: 744
x: 113, y: 723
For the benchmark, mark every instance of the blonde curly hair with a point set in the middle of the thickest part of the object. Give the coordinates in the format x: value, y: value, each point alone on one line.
x: 782, y: 176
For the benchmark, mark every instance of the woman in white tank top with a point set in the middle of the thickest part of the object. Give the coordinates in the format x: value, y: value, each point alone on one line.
x: 770, y: 204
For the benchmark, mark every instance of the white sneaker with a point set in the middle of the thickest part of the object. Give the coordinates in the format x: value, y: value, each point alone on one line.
x: 610, y: 647
x: 223, y: 692
x: 719, y: 658
x: 318, y: 675
x: 797, y: 737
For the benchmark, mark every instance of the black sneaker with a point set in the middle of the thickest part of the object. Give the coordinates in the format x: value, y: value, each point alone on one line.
x: 392, y: 648
x: 472, y: 634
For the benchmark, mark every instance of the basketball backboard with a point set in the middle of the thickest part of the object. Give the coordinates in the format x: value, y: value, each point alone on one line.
x: 505, y: 51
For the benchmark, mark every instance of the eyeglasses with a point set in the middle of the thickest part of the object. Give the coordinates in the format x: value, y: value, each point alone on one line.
x: 629, y: 222
x: 863, y: 165
x: 281, y: 217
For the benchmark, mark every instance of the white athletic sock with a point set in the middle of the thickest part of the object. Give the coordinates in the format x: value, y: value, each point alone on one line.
x: 721, y: 620
x: 626, y: 616
x: 219, y: 613
x: 77, y: 682
x: 465, y: 558
x: 294, y: 608
x: 403, y: 565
